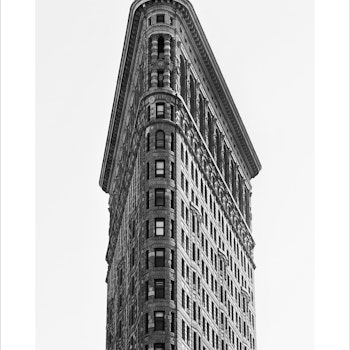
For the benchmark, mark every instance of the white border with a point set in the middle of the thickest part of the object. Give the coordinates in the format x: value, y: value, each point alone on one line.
x: 332, y: 174
x: 18, y: 174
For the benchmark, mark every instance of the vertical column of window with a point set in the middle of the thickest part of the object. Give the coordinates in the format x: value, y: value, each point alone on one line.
x: 183, y: 79
x: 193, y: 98
x: 233, y: 179
x: 247, y: 207
x: 160, y: 57
x: 227, y: 165
x: 149, y: 62
x: 173, y: 76
x: 218, y: 150
x: 167, y: 58
x: 210, y: 134
x: 240, y: 192
x: 154, y: 57
x: 202, y: 116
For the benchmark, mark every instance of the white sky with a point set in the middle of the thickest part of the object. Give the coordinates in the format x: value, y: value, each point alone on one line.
x: 265, y: 51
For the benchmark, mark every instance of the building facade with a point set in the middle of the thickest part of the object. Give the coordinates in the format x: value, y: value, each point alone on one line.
x: 177, y: 168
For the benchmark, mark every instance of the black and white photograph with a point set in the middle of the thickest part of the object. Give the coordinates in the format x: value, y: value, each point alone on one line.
x: 183, y: 179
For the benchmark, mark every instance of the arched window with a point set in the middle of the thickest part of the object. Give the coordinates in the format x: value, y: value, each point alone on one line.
x: 201, y: 115
x: 183, y: 78
x: 193, y: 97
x: 160, y: 139
x: 161, y: 48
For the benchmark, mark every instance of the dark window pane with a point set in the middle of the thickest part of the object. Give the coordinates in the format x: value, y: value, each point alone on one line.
x: 160, y: 78
x: 159, y: 346
x: 160, y: 18
x: 161, y: 47
x: 159, y: 198
x: 159, y: 258
x: 159, y: 321
x: 160, y: 139
x: 159, y: 289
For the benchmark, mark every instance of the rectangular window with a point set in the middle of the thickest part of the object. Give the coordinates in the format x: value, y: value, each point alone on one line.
x: 146, y: 290
x: 172, y: 199
x: 159, y: 289
x: 172, y: 290
x: 172, y: 229
x: 147, y: 259
x: 149, y: 113
x: 160, y: 18
x: 146, y: 323
x: 147, y: 229
x: 172, y: 259
x: 160, y: 110
x: 159, y: 168
x: 159, y: 226
x: 172, y: 324
x: 160, y: 78
x: 172, y: 113
x: 172, y: 170
x: 147, y: 200
x: 159, y: 257
x: 159, y: 346
x: 159, y: 321
x: 147, y: 171
x: 159, y: 197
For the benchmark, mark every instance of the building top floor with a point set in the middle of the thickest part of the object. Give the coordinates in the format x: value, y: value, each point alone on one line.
x: 151, y: 19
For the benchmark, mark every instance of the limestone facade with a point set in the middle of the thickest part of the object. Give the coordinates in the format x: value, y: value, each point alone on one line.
x: 177, y: 165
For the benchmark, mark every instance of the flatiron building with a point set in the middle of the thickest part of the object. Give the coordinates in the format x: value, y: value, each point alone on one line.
x: 177, y: 167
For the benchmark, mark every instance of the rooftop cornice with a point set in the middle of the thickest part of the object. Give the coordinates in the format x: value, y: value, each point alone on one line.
x: 232, y: 115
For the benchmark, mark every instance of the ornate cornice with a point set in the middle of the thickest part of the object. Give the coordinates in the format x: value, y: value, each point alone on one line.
x: 232, y: 115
